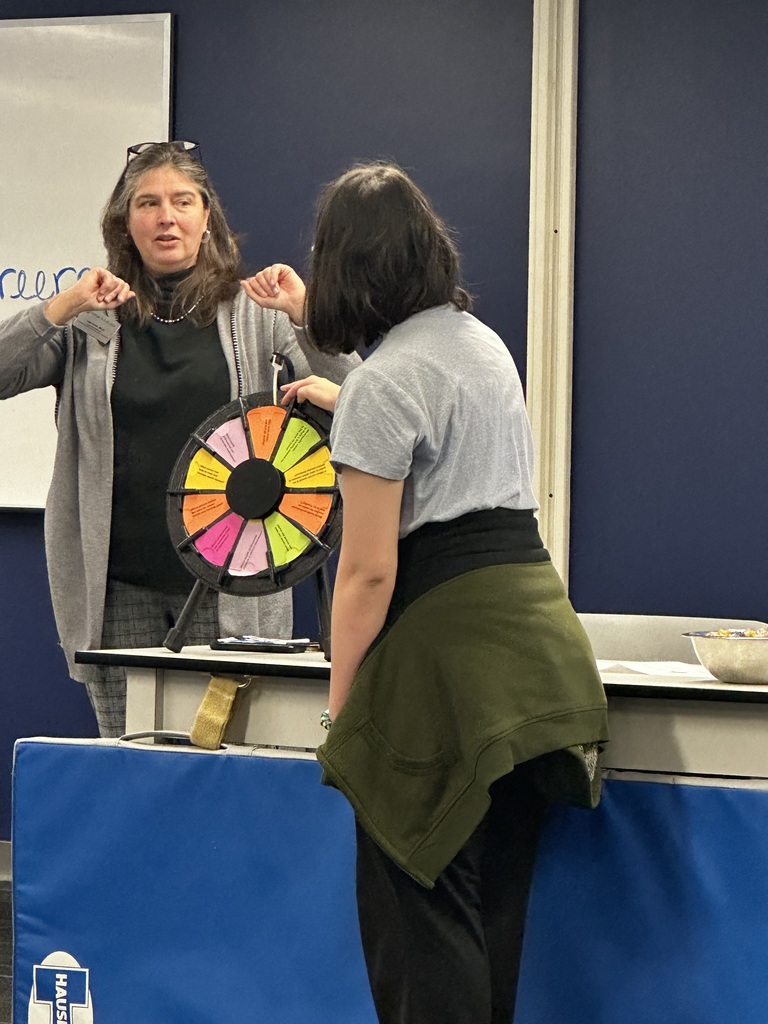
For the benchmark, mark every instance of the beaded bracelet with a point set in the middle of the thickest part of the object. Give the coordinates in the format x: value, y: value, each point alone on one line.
x: 325, y: 719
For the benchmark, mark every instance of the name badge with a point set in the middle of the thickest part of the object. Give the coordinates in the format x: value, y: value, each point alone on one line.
x: 101, y: 326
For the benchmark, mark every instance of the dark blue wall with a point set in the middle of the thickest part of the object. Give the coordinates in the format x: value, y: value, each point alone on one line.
x: 669, y: 497
x: 37, y: 697
x: 282, y: 97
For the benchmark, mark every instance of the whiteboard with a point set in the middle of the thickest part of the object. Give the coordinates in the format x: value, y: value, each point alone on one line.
x: 74, y: 94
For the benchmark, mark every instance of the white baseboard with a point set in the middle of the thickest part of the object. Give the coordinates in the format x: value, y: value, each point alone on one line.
x: 5, y: 862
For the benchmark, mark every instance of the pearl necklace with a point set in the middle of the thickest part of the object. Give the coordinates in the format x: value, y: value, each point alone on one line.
x: 176, y: 320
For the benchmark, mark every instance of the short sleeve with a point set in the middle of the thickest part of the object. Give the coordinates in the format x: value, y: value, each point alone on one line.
x: 376, y: 425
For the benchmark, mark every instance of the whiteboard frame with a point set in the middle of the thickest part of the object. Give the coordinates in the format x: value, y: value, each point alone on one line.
x: 165, y: 20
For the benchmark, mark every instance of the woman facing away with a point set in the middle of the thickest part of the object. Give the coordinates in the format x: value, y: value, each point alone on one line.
x: 170, y: 336
x: 464, y: 696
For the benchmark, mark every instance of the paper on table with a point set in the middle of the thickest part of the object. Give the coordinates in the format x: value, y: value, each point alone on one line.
x: 656, y: 668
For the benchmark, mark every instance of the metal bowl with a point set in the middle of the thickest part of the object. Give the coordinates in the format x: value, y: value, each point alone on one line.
x: 735, y: 657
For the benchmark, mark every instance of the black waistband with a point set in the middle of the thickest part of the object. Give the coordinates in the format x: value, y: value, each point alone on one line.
x: 438, y: 552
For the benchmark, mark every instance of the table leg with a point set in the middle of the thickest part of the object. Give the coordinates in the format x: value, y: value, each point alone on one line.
x: 144, y: 704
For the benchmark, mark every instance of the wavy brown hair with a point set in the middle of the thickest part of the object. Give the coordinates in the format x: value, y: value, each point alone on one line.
x: 216, y: 274
x: 381, y: 253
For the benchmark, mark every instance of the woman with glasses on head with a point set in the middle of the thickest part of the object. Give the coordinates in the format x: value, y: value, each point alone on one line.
x: 140, y: 353
x: 464, y: 695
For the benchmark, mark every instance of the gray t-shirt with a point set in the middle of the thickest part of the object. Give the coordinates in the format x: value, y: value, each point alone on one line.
x: 439, y: 404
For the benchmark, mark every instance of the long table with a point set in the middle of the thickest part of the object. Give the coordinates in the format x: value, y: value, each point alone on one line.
x: 663, y: 717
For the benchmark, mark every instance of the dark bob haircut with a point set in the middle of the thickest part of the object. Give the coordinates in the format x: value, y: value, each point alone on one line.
x: 380, y: 254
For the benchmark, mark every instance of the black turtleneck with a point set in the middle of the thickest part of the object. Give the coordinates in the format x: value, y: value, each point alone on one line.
x: 170, y: 377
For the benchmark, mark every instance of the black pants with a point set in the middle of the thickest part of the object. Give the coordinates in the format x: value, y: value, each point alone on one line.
x: 451, y: 955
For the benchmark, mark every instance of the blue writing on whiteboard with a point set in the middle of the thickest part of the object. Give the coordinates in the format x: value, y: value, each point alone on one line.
x: 22, y: 284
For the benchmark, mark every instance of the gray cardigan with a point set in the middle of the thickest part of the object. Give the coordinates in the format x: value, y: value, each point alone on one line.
x: 35, y: 353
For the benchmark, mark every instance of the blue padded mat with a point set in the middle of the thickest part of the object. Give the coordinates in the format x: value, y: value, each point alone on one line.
x: 191, y: 887
x: 653, y: 909
x: 182, y: 886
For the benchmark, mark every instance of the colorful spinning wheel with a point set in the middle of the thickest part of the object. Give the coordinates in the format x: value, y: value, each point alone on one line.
x: 253, y: 504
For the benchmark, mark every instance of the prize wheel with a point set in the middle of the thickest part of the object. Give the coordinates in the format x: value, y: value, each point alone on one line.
x: 253, y: 503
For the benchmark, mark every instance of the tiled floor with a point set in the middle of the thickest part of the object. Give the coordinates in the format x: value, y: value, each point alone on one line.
x: 5, y: 952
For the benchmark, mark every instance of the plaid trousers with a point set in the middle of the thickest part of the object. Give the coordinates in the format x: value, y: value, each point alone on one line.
x: 140, y: 617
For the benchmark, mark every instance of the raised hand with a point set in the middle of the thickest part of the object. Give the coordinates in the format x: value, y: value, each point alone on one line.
x: 278, y: 287
x: 96, y: 289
